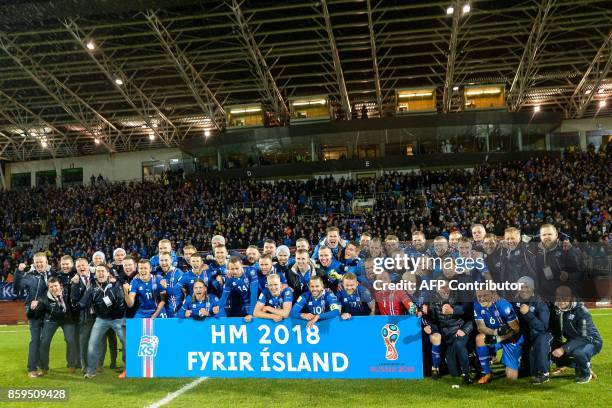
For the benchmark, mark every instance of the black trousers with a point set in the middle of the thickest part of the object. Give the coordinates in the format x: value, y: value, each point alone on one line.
x: 48, y: 331
x: 36, y: 326
x: 457, y: 358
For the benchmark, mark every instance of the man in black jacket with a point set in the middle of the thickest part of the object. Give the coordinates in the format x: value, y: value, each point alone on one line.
x: 108, y: 303
x: 298, y: 276
x: 517, y: 260
x: 534, y: 314
x: 78, y: 286
x: 450, y: 321
x: 556, y: 264
x: 34, y: 284
x: 58, y: 313
x: 574, y: 322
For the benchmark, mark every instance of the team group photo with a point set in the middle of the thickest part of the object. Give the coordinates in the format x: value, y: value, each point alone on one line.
x: 287, y: 203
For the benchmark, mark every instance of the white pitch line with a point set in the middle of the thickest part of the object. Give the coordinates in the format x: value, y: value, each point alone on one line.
x: 177, y: 393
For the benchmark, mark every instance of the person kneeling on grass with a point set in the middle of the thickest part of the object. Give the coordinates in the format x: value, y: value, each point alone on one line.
x: 200, y: 305
x: 274, y: 303
x: 317, y: 304
x: 498, y: 328
x: 447, y: 321
x: 534, y: 316
x: 583, y: 340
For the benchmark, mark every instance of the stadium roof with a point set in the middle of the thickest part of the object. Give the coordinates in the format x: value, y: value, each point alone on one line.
x: 78, y: 77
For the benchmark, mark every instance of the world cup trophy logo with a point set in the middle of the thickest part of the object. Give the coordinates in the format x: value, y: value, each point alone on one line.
x: 390, y: 334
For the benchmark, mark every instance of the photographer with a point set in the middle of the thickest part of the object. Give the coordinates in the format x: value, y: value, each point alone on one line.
x: 34, y: 284
x: 107, y: 301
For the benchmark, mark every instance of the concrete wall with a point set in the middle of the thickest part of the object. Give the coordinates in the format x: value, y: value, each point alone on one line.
x: 577, y: 125
x: 114, y: 167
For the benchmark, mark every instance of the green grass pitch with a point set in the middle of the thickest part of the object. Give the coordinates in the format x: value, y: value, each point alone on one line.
x: 106, y: 390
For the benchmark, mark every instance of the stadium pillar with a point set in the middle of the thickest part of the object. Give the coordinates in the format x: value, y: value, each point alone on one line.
x: 519, y: 139
x: 313, y: 155
x: 219, y: 160
x: 2, y: 177
x: 547, y: 140
x: 583, y: 140
x: 58, y: 174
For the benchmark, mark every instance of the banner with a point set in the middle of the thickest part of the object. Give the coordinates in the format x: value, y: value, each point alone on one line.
x: 361, y: 347
x: 6, y: 291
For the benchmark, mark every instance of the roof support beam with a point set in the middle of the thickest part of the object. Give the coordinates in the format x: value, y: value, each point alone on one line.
x: 524, y: 77
x: 93, y: 123
x: 591, y: 80
x: 449, y: 79
x: 25, y: 120
x: 272, y: 93
x: 379, y: 99
x: 155, y: 120
x: 204, y: 96
x: 344, y: 98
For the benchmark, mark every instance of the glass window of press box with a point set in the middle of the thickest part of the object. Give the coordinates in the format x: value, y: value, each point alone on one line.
x: 244, y: 116
x: 21, y: 181
x: 46, y: 178
x: 72, y: 177
x: 309, y: 109
x: 366, y: 144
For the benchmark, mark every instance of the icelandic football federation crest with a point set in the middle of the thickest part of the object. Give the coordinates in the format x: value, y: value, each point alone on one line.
x: 148, y: 346
x: 390, y: 334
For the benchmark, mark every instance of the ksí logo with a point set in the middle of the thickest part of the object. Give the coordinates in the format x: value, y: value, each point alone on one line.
x: 148, y: 346
x: 390, y: 334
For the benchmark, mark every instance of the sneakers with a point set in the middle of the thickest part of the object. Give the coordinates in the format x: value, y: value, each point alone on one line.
x: 466, y: 379
x: 435, y: 374
x: 88, y: 376
x: 71, y: 370
x: 42, y: 373
x: 584, y: 379
x: 540, y: 379
x: 33, y: 374
x: 485, y: 378
x: 122, y: 375
x: 560, y: 371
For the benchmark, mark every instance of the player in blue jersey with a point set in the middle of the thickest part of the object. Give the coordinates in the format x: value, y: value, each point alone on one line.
x: 267, y: 268
x: 317, y: 304
x: 274, y: 301
x: 301, y: 243
x: 164, y: 245
x: 352, y: 262
x: 333, y: 241
x: 355, y: 299
x: 149, y: 290
x: 239, y: 291
x: 200, y: 304
x: 184, y: 262
x: 498, y: 328
x: 199, y: 271
x: 217, y: 269
x: 331, y: 267
x: 173, y: 281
